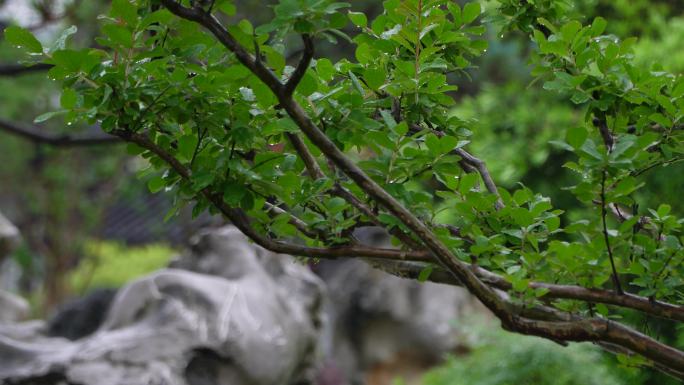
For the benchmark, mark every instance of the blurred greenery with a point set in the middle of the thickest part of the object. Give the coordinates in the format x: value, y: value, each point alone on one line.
x: 501, y: 358
x: 112, y: 264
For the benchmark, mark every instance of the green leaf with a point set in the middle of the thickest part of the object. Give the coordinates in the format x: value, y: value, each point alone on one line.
x: 375, y: 77
x: 663, y: 210
x: 470, y: 12
x: 576, y: 136
x: 274, y: 58
x: 48, y: 115
x: 425, y: 273
x: 125, y: 10
x: 589, y: 147
x: 519, y: 284
x: 388, y: 118
x: 68, y: 99
x: 60, y: 43
x: 227, y: 7
x: 307, y: 85
x: 363, y: 54
x: 598, y: 26
x: 570, y: 29
x: 156, y: 184
x: 187, y: 145
x: 23, y: 38
x: 233, y: 193
x: 678, y: 89
x: 432, y: 143
x: 661, y: 119
x: 356, y: 83
x: 358, y: 18
x: 467, y: 182
x: 119, y: 34
x: 325, y: 69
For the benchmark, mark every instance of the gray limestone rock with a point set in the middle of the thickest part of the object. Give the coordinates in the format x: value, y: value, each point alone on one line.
x: 246, y: 324
x: 384, y: 325
x: 12, y: 308
x: 9, y: 237
x: 229, y: 312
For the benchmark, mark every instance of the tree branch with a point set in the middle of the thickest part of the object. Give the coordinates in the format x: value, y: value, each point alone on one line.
x: 589, y: 330
x: 310, y: 163
x: 302, y: 226
x: 224, y: 37
x: 606, y: 135
x: 20, y: 69
x: 482, y: 169
x: 606, y: 237
x: 240, y: 219
x: 626, y: 300
x: 303, y: 65
x: 64, y: 140
x: 315, y: 172
x: 471, y: 164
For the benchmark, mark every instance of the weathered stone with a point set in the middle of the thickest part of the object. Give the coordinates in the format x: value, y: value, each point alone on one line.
x: 81, y: 317
x: 244, y: 325
x: 384, y: 326
x: 12, y: 308
x: 9, y: 237
x: 229, y: 312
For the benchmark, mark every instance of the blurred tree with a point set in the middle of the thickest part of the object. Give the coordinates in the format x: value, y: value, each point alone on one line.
x: 56, y: 188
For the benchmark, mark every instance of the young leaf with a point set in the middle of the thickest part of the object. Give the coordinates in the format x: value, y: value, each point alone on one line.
x: 470, y: 12
x: 358, y: 18
x: 23, y: 38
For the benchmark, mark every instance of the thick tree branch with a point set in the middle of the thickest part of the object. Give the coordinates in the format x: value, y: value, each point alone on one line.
x: 606, y: 135
x: 626, y: 300
x: 35, y: 135
x: 20, y: 69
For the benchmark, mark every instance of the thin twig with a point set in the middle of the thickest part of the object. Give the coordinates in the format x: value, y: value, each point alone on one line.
x: 616, y: 280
